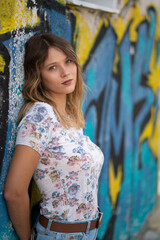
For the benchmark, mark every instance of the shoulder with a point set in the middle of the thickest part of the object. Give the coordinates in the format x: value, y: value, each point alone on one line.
x: 40, y: 112
x: 36, y: 127
x: 40, y: 108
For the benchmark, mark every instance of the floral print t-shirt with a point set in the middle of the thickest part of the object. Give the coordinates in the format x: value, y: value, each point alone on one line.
x: 68, y: 168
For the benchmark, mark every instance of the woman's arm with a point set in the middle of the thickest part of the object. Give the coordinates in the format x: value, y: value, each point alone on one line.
x: 22, y: 167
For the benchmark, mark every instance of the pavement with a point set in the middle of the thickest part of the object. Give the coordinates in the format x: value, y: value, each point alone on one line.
x: 151, y: 229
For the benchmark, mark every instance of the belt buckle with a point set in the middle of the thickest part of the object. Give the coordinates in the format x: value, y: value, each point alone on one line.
x: 100, y: 219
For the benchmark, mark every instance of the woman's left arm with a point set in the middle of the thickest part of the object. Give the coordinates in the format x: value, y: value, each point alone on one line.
x: 22, y: 167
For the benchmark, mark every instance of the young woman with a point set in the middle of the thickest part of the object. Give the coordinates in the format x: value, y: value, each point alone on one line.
x: 51, y: 147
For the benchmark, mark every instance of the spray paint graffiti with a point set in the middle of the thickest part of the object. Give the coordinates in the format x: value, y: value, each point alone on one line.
x: 4, y: 96
x: 120, y: 59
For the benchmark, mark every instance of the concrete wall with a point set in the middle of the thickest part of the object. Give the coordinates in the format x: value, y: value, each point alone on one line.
x: 120, y: 56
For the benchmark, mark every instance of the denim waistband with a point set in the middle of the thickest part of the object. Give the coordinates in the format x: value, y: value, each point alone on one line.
x: 88, y: 223
x: 73, y: 222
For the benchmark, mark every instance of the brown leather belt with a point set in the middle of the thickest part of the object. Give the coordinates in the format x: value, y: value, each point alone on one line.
x: 70, y: 228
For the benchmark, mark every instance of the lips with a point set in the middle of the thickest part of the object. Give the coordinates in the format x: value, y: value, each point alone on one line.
x: 67, y: 82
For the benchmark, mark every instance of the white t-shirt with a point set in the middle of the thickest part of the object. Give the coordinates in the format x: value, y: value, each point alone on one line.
x: 68, y: 168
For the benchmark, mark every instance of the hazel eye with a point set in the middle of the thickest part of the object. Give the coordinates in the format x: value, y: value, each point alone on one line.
x: 68, y: 61
x: 52, y: 67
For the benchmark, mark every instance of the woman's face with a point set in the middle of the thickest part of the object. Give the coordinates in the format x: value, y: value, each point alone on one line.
x: 59, y: 73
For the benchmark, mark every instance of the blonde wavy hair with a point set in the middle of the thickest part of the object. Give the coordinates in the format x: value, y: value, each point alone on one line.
x: 36, y: 52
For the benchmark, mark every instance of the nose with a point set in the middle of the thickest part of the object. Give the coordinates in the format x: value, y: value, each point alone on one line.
x: 64, y: 71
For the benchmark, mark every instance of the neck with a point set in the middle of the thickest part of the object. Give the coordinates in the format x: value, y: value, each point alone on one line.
x: 60, y: 101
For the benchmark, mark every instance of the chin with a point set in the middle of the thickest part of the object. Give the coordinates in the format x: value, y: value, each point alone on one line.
x: 70, y: 90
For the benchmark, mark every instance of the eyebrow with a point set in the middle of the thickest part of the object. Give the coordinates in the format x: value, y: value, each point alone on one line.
x: 55, y: 62
x: 50, y: 64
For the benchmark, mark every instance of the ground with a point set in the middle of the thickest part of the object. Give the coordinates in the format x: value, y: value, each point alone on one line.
x: 151, y: 229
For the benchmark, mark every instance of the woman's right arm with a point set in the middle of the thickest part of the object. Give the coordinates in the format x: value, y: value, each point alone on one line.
x: 22, y: 167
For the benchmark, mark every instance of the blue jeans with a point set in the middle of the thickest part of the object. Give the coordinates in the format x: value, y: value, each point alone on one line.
x: 47, y: 234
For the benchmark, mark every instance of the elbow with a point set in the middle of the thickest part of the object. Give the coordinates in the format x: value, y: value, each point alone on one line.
x: 8, y: 196
x: 11, y: 195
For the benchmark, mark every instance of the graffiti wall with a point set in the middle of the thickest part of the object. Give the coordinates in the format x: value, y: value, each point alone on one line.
x: 120, y: 57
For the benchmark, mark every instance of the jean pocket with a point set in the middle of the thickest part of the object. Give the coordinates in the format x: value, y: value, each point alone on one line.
x: 94, y: 234
x: 46, y: 237
x: 74, y: 236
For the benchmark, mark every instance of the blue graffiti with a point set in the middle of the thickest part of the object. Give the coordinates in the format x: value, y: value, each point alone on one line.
x: 123, y: 125
x: 117, y: 110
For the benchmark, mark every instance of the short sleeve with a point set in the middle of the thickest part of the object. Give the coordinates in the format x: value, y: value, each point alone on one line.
x: 35, y: 128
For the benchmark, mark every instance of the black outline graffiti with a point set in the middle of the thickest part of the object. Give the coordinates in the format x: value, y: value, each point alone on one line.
x: 45, y: 26
x: 4, y: 100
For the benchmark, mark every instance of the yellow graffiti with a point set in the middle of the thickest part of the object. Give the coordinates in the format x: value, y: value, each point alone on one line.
x: 2, y: 64
x: 137, y: 18
x: 125, y: 1
x: 120, y: 25
x: 151, y: 132
x: 114, y: 182
x: 84, y: 36
x: 157, y: 34
x: 15, y: 14
x: 154, y: 77
x: 84, y: 40
x: 154, y: 139
x: 35, y: 194
x: 62, y: 1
